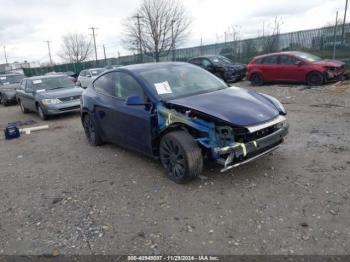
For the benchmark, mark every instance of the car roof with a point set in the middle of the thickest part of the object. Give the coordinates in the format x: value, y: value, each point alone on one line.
x: 44, y: 77
x: 11, y: 74
x: 279, y: 53
x: 146, y: 66
x: 97, y: 68
x: 205, y: 56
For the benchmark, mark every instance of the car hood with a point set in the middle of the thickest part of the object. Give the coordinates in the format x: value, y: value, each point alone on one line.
x: 234, y: 105
x: 330, y: 63
x: 62, y: 92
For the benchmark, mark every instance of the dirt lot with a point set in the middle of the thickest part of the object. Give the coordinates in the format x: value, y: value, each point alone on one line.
x: 60, y: 195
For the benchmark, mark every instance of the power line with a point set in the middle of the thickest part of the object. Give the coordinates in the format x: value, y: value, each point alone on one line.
x: 48, y: 46
x: 93, y: 35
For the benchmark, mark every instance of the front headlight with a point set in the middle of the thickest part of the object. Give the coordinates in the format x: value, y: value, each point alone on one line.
x: 51, y: 101
x: 276, y: 103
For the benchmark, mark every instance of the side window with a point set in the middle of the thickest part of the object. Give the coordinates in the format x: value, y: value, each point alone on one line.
x: 196, y: 61
x: 22, y: 85
x: 287, y: 60
x: 270, y: 60
x: 105, y: 85
x: 87, y: 73
x: 127, y: 86
x: 205, y: 63
x: 258, y: 61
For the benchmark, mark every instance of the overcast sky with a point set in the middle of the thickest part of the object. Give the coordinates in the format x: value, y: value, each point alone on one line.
x: 26, y: 24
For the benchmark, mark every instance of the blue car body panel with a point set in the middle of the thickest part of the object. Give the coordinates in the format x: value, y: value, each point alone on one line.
x: 140, y: 127
x: 233, y: 105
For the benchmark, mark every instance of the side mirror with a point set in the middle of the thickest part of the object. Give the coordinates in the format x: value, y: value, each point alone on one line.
x: 88, y: 75
x: 298, y: 63
x: 29, y: 90
x: 134, y: 101
x: 78, y: 84
x: 209, y: 67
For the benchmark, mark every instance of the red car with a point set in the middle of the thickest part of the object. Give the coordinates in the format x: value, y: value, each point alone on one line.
x: 294, y: 67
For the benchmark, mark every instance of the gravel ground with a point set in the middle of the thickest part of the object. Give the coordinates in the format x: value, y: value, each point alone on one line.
x: 59, y: 195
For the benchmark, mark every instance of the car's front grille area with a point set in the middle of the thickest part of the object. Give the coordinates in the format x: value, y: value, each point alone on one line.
x: 69, y: 108
x: 243, y: 136
x: 69, y: 98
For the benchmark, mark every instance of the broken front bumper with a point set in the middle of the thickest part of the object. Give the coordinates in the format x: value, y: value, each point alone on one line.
x: 241, y: 153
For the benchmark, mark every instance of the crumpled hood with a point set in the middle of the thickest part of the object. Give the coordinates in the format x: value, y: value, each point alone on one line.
x: 234, y: 105
x: 62, y: 92
x: 330, y: 63
x: 236, y: 67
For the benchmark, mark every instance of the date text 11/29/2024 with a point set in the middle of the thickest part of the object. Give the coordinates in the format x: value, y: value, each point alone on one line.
x: 173, y: 258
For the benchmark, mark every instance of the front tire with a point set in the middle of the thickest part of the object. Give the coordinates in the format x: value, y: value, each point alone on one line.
x: 315, y: 79
x: 181, y: 156
x: 91, y: 133
x: 41, y: 113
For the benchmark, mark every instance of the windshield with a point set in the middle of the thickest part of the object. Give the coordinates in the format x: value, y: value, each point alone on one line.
x: 50, y: 83
x: 220, y: 60
x: 10, y: 79
x: 182, y: 80
x: 308, y: 57
x: 95, y: 72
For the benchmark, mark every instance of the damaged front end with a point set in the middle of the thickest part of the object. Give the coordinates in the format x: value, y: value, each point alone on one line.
x: 225, y: 143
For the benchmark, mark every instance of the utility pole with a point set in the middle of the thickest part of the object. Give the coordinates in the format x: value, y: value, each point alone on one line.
x: 48, y: 47
x: 5, y: 54
x: 104, y: 52
x: 335, y: 34
x: 138, y: 17
x: 93, y: 35
x: 172, y: 39
x: 344, y: 21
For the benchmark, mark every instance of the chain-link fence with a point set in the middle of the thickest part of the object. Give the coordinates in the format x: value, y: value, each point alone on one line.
x: 321, y: 42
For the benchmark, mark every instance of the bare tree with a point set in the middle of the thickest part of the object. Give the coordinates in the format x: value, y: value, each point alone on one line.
x: 75, y: 48
x: 157, y: 27
x: 271, y: 40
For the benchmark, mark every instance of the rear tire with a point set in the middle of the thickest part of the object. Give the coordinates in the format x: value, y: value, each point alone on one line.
x: 2, y: 100
x: 181, y: 156
x: 41, y: 113
x: 315, y: 79
x: 91, y: 133
x: 23, y: 109
x: 256, y: 79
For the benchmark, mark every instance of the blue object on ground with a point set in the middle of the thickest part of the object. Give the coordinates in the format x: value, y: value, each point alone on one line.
x: 11, y: 132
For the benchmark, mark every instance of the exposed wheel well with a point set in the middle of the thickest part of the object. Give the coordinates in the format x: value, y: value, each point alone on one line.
x: 175, y: 127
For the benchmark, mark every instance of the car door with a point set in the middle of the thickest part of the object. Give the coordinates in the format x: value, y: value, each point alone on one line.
x: 27, y: 95
x: 127, y: 125
x: 291, y: 69
x: 269, y: 67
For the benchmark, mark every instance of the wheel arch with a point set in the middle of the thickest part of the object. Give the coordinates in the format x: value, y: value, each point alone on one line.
x: 177, y: 126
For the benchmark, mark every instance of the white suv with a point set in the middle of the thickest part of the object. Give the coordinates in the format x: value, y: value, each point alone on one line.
x: 86, y: 76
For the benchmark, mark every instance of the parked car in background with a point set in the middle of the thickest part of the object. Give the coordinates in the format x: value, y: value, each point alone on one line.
x: 181, y: 114
x: 109, y: 67
x: 48, y: 95
x: 86, y: 76
x: 295, y: 67
x: 221, y: 66
x: 8, y: 85
x: 71, y: 75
